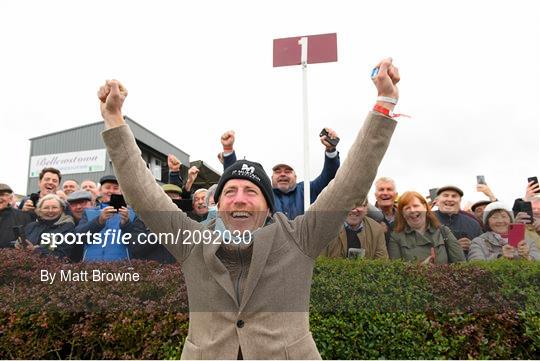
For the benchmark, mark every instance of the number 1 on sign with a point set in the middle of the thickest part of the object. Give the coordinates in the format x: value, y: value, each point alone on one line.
x: 303, y: 42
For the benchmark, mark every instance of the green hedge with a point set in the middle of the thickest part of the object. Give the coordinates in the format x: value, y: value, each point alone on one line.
x: 359, y: 310
x: 393, y: 310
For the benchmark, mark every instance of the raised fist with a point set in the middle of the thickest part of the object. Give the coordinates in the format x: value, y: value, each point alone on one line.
x: 193, y: 172
x: 111, y: 96
x: 386, y: 79
x: 173, y: 163
x: 227, y: 140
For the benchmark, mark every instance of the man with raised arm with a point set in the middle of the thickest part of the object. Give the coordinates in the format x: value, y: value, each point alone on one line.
x: 288, y: 193
x: 249, y: 285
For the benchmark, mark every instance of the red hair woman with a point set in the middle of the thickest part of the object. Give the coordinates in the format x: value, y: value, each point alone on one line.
x: 419, y: 236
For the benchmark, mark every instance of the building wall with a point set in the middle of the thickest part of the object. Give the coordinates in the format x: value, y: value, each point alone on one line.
x: 71, y: 140
x: 88, y: 137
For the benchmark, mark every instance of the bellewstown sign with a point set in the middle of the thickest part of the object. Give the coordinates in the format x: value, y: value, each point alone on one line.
x: 87, y: 161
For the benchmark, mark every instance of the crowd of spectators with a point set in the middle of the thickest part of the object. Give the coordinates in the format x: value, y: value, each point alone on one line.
x: 407, y: 226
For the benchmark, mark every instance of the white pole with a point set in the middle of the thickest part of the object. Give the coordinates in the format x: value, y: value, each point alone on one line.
x: 304, y: 46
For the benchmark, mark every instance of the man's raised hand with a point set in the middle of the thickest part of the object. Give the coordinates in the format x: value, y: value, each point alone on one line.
x: 193, y: 172
x: 111, y: 97
x: 227, y: 141
x: 29, y: 206
x: 192, y: 175
x: 324, y: 139
x: 531, y: 190
x: 173, y: 163
x: 386, y: 81
x: 484, y: 188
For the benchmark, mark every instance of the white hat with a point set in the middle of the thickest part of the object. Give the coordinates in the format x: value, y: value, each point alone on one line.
x: 495, y: 206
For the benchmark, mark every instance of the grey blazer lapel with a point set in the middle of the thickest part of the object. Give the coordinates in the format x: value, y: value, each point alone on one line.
x: 261, y: 250
x: 218, y: 270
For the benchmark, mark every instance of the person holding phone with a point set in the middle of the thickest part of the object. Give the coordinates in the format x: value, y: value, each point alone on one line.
x: 533, y: 229
x: 49, y: 183
x: 288, y: 193
x: 533, y: 188
x: 484, y: 188
x: 527, y: 210
x: 478, y: 207
x: 110, y: 214
x: 494, y: 243
x: 528, y: 213
x: 419, y: 236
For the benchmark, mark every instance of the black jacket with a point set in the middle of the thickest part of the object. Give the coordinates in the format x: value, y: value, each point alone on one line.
x: 460, y: 224
x: 10, y: 218
x: 36, y: 229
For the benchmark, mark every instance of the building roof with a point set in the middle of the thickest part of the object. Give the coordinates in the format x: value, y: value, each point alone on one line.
x: 207, y: 175
x: 129, y: 121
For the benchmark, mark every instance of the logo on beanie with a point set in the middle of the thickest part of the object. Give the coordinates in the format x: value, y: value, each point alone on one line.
x: 246, y: 171
x: 246, y: 168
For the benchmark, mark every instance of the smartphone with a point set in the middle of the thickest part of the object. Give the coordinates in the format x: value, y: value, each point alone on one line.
x: 516, y: 233
x: 480, y: 179
x: 521, y: 206
x: 527, y: 208
x: 34, y: 197
x: 433, y: 193
x: 117, y: 201
x: 516, y: 207
x: 534, y: 180
x: 334, y: 141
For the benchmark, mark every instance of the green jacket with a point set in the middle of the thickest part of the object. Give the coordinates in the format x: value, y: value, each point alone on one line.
x: 410, y: 245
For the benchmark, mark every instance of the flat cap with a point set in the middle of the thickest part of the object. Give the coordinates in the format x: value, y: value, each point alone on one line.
x: 108, y: 179
x: 5, y: 188
x: 450, y: 188
x: 79, y: 196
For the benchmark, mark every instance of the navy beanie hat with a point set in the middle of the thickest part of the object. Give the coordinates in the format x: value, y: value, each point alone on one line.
x: 251, y: 171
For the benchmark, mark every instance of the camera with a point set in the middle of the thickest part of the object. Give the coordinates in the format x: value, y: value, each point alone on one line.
x: 334, y: 141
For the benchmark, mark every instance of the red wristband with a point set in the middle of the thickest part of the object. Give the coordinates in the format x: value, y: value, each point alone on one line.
x: 227, y: 149
x: 380, y: 109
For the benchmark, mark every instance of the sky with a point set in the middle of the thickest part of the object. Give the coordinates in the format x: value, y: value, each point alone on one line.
x: 470, y: 81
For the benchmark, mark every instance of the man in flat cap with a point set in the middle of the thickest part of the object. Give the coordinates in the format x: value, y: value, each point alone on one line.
x: 465, y: 227
x: 79, y: 201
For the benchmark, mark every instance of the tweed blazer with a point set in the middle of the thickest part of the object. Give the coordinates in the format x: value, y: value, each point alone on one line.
x: 272, y: 320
